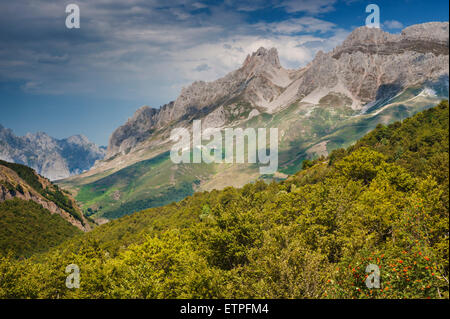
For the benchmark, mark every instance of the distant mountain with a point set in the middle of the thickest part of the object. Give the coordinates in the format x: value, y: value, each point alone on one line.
x: 373, y: 77
x: 50, y: 157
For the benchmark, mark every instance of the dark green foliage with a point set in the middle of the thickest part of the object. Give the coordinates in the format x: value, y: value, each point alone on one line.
x: 171, y: 194
x: 307, y: 163
x: 414, y: 143
x: 25, y: 173
x: 27, y: 228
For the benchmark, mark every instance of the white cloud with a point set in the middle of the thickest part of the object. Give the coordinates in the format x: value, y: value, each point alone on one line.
x: 229, y: 54
x: 393, y: 24
x: 304, y: 24
x: 309, y: 6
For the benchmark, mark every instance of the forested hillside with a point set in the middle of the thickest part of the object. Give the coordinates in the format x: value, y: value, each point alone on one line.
x: 382, y: 201
x: 27, y: 228
x: 35, y: 214
x: 45, y: 188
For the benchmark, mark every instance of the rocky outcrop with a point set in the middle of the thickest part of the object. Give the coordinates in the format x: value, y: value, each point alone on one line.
x: 372, y: 64
x: 12, y: 186
x: 50, y: 157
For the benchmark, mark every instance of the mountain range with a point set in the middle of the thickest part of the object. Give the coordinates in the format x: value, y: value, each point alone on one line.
x: 50, y: 157
x: 371, y: 66
x: 373, y: 77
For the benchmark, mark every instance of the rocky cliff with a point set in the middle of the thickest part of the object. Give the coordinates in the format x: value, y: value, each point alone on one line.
x: 373, y: 65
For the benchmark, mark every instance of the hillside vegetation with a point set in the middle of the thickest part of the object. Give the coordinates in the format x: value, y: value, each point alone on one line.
x: 27, y: 228
x: 382, y: 201
x: 50, y: 191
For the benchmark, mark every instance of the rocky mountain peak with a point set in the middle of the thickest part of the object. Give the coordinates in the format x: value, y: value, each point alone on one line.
x: 373, y: 65
x: 136, y: 129
x: 421, y: 38
x: 258, y: 81
x: 143, y: 113
x: 367, y: 36
x: 38, y: 136
x: 263, y: 56
x: 143, y: 118
x: 431, y: 31
x: 78, y: 139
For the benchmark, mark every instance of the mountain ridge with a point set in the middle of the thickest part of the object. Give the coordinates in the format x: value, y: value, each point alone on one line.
x: 263, y: 66
x: 261, y: 69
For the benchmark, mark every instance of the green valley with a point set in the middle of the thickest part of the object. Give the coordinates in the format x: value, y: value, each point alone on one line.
x: 306, y: 132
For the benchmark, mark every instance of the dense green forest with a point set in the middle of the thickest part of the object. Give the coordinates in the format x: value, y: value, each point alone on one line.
x: 383, y: 201
x: 27, y: 228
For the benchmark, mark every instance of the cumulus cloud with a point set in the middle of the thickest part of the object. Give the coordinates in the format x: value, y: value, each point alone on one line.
x: 310, y: 6
x: 299, y: 25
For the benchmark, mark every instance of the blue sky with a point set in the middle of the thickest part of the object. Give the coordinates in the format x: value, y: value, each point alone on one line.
x: 132, y: 53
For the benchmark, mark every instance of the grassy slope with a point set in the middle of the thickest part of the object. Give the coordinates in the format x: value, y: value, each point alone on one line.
x: 146, y: 184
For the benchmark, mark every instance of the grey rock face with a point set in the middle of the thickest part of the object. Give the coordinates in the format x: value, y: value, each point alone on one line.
x: 431, y: 31
x: 372, y: 64
x: 134, y: 131
x: 369, y: 65
x: 50, y: 157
